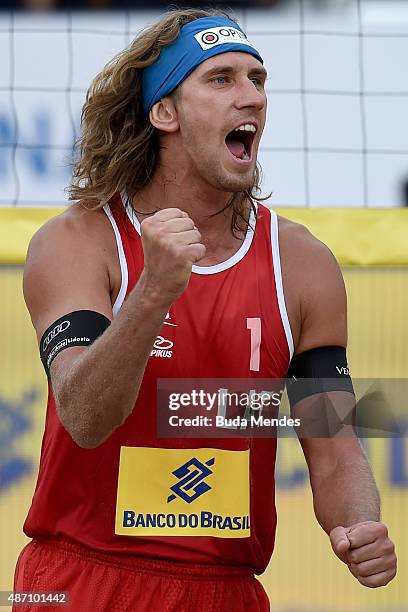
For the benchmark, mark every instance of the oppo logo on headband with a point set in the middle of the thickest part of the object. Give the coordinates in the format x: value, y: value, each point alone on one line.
x: 54, y: 332
x: 219, y: 36
x: 210, y: 38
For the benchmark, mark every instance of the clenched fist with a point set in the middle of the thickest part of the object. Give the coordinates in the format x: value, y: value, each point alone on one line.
x: 171, y: 246
x: 368, y: 552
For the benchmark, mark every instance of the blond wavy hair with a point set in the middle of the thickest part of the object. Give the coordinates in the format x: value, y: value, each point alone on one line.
x: 118, y: 147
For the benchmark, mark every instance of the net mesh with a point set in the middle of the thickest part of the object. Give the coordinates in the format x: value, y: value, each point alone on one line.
x: 336, y: 133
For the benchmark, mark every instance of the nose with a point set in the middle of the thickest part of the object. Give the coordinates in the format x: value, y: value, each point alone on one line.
x: 249, y: 96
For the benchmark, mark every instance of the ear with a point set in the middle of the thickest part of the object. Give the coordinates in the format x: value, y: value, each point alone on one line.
x: 163, y: 115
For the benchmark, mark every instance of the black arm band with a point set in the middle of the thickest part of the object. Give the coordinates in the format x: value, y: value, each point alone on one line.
x: 79, y: 328
x: 319, y: 370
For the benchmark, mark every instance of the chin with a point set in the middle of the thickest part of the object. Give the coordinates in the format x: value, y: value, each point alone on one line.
x: 223, y: 179
x: 234, y: 183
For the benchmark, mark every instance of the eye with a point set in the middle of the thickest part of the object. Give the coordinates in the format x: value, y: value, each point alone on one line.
x: 220, y: 80
x: 258, y: 82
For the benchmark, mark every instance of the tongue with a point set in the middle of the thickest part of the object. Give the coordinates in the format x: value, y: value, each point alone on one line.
x: 236, y: 147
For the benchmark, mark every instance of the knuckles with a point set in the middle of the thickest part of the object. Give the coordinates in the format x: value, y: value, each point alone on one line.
x: 149, y: 226
x: 365, y: 576
x: 360, y: 533
x: 353, y: 556
x: 377, y: 580
x: 381, y: 529
x: 382, y: 557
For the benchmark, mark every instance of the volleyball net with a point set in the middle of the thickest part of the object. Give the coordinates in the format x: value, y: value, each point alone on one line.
x: 336, y: 133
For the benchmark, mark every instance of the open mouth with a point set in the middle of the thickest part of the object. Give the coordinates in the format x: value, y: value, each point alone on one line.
x: 239, y: 142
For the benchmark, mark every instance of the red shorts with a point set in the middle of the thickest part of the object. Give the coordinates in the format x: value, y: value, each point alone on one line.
x: 99, y: 582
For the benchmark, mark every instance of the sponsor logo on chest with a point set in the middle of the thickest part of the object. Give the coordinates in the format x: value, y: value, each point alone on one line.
x: 183, y: 492
x: 163, y: 347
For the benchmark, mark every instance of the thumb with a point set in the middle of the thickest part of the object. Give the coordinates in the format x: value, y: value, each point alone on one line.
x: 340, y: 542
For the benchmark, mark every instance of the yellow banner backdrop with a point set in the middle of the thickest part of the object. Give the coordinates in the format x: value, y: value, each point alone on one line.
x: 357, y: 236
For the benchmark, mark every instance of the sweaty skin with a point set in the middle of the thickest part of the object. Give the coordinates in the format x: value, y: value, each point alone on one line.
x: 96, y: 387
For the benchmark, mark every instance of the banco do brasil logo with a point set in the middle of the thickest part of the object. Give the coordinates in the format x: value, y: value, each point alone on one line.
x: 191, y: 482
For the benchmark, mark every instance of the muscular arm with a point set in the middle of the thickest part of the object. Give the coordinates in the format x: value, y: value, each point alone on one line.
x: 95, y: 391
x: 344, y: 490
x: 68, y: 268
x: 345, y: 496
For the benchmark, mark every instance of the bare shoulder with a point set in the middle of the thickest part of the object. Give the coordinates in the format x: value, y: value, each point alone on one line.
x: 75, y: 226
x: 314, y: 287
x: 305, y: 258
x: 71, y: 265
x: 298, y: 243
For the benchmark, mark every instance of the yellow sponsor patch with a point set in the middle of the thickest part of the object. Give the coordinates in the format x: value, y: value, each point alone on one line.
x: 200, y: 492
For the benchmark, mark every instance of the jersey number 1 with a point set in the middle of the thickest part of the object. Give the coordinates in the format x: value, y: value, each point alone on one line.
x: 254, y: 325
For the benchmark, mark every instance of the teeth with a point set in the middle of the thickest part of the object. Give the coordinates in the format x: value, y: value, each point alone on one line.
x: 247, y: 127
x: 245, y: 155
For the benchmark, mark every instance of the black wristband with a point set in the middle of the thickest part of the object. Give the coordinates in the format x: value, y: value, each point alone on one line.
x: 79, y: 328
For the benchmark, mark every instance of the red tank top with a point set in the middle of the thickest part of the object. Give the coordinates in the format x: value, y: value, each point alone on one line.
x: 197, y: 500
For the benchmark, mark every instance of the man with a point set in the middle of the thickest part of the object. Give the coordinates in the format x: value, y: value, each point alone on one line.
x: 167, y: 267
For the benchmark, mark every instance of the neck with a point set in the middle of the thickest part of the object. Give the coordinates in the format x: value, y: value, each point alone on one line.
x: 176, y: 189
x: 177, y: 186
x: 171, y: 188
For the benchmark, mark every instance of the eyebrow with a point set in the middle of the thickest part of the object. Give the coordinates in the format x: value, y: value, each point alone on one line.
x: 229, y: 70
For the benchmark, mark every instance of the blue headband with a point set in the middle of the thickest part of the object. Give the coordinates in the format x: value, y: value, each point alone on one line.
x: 198, y: 41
